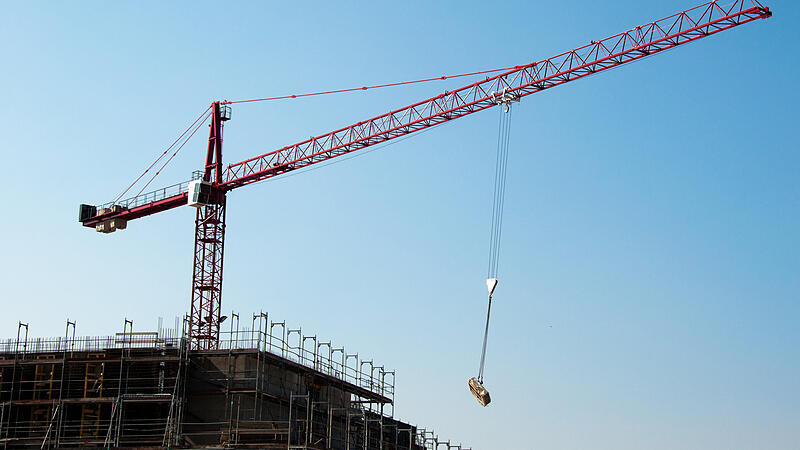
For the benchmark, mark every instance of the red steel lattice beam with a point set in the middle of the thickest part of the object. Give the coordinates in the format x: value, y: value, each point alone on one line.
x: 639, y: 42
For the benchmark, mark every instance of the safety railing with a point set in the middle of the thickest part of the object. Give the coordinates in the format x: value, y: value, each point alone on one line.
x: 83, y: 344
x: 149, y: 197
x: 308, y: 351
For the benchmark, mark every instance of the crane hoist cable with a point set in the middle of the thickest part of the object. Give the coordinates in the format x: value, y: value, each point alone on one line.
x: 498, y: 204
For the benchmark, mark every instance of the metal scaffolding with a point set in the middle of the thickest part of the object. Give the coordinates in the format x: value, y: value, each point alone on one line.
x: 266, y: 386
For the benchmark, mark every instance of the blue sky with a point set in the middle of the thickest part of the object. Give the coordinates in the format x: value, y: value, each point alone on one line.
x: 649, y: 270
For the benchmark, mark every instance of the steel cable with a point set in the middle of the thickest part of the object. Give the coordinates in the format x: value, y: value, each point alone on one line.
x: 197, y: 127
x: 162, y: 155
x: 498, y: 205
x: 364, y: 88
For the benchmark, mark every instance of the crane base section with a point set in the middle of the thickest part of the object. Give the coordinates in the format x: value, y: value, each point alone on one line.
x: 480, y: 392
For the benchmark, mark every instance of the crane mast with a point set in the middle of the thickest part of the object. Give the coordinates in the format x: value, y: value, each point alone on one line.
x: 208, y: 192
x: 209, y: 241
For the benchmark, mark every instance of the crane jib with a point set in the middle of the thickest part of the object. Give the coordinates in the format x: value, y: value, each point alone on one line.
x: 639, y: 42
x: 592, y: 58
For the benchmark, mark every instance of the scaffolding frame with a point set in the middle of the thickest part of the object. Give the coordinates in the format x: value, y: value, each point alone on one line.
x: 262, y: 387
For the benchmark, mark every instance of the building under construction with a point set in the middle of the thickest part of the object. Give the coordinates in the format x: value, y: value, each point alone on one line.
x: 267, y: 386
x: 263, y: 387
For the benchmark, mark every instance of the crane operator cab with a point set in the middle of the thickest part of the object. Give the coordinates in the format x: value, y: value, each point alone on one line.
x: 199, y: 193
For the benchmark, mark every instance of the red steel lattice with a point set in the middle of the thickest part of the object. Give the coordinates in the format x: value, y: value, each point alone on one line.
x: 637, y: 43
x: 595, y: 57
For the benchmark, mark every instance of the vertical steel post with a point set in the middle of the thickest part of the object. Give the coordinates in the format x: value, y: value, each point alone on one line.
x: 299, y: 332
x: 311, y: 421
x: 346, y: 359
x: 20, y: 326
x: 283, y: 336
x: 330, y: 423
x: 303, y: 348
x: 349, y: 420
x: 60, y: 405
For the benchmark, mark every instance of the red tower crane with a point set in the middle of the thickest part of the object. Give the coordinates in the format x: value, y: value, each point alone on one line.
x: 208, y: 192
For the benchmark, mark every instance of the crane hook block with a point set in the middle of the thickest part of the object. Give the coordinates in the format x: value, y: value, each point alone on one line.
x: 491, y: 284
x: 480, y: 392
